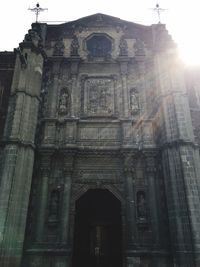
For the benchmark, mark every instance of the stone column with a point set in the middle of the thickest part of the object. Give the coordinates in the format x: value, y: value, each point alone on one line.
x: 151, y: 177
x: 74, y: 94
x: 65, y: 237
x: 53, y: 90
x: 66, y: 206
x: 42, y: 198
x: 142, y: 86
x: 124, y: 71
x: 130, y: 208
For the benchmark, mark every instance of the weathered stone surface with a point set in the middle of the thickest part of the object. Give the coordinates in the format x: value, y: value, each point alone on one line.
x: 108, y: 110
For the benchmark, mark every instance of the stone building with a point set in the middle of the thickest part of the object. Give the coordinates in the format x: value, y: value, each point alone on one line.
x: 100, y: 148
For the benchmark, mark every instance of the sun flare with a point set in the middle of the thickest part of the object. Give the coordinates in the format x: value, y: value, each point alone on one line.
x: 189, y: 53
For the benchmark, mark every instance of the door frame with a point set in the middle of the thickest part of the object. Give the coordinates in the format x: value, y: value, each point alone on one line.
x: 115, y: 192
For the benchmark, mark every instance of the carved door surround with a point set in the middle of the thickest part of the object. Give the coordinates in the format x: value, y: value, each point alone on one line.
x: 113, y: 190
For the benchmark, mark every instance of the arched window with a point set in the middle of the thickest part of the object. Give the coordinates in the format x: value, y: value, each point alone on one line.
x: 99, y: 45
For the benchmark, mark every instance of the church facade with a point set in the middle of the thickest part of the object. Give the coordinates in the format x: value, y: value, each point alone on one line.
x: 99, y: 148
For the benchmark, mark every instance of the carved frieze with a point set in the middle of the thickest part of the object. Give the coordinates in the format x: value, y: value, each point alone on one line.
x: 88, y: 176
x: 98, y: 96
x: 99, y: 133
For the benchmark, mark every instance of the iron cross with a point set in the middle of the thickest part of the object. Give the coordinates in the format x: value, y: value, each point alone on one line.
x: 37, y: 10
x: 158, y: 10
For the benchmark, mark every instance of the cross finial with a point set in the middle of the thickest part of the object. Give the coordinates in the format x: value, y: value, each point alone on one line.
x: 158, y: 11
x: 37, y: 10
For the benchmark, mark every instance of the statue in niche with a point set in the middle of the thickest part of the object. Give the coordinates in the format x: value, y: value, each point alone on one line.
x: 54, y: 205
x: 64, y: 103
x: 134, y: 103
x: 139, y: 48
x: 58, y: 48
x: 74, y: 47
x: 141, y: 205
x: 123, y: 47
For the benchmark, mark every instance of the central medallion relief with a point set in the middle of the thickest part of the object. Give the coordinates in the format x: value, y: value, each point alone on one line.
x: 98, y: 97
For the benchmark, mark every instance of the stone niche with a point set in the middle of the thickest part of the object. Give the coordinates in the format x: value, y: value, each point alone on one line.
x: 98, y: 96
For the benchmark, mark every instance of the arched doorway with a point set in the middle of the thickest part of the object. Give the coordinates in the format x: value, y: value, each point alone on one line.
x: 98, y: 230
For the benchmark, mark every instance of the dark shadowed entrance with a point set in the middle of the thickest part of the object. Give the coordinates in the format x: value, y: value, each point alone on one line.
x: 98, y: 231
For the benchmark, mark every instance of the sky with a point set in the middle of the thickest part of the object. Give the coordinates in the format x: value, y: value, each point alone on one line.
x: 182, y: 19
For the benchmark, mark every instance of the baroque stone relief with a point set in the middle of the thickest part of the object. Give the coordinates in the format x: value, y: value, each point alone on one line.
x: 98, y: 96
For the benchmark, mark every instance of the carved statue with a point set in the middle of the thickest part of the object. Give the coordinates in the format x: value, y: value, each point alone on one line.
x: 134, y: 103
x: 139, y: 48
x: 74, y: 47
x: 123, y: 47
x: 64, y: 103
x: 58, y: 48
x: 141, y: 205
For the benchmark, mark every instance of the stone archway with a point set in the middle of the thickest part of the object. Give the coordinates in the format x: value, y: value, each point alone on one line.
x: 97, y: 230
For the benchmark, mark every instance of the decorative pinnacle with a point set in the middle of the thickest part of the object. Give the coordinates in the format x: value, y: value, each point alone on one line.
x: 37, y: 10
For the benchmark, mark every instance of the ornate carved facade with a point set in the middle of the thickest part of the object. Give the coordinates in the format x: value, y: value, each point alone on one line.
x: 100, y: 151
